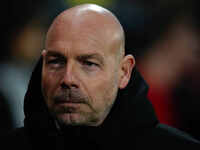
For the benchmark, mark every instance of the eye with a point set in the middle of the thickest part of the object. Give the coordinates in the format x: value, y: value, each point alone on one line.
x: 90, y: 66
x: 55, y: 62
x: 90, y: 63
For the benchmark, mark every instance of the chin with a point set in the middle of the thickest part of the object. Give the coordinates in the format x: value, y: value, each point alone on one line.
x: 75, y: 119
x: 70, y: 119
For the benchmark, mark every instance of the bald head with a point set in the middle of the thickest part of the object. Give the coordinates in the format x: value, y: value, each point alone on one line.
x: 90, y: 18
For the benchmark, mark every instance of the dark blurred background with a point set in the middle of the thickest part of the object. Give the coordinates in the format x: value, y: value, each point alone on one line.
x: 163, y: 35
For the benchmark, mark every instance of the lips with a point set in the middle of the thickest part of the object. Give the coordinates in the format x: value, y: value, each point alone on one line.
x: 65, y: 99
x: 63, y: 107
x: 60, y: 101
x: 71, y: 96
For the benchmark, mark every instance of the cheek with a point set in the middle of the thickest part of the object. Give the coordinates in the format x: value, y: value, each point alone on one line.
x: 50, y: 82
x: 102, y: 90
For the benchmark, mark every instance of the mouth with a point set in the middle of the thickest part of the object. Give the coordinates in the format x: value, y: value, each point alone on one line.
x: 67, y: 106
x: 68, y: 101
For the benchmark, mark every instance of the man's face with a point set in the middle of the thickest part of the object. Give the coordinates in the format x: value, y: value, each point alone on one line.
x: 80, y: 75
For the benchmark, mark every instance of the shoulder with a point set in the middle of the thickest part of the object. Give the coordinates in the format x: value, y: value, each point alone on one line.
x: 168, y: 131
x: 166, y: 137
x: 15, y: 138
x: 15, y: 133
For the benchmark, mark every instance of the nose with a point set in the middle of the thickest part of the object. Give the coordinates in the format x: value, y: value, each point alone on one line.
x: 69, y: 79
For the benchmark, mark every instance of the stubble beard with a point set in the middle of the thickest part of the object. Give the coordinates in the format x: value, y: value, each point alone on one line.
x: 90, y: 116
x: 84, y: 114
x: 64, y: 117
x: 67, y: 116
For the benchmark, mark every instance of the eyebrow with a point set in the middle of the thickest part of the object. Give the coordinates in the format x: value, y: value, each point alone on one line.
x: 54, y: 54
x: 91, y: 56
x: 81, y: 57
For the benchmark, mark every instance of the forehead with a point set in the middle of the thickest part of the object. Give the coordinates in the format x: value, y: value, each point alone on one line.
x: 91, y: 33
x: 76, y: 44
x: 78, y: 41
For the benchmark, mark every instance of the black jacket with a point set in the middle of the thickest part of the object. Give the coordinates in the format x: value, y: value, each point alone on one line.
x: 131, y: 124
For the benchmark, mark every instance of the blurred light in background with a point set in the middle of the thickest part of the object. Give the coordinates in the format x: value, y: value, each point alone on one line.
x: 104, y: 3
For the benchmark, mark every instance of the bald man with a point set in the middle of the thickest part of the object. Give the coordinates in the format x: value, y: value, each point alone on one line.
x: 84, y: 92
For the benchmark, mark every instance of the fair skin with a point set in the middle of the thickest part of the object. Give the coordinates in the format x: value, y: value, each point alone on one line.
x: 84, y: 65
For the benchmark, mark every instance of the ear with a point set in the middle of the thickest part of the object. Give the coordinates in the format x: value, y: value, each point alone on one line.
x: 127, y: 65
x: 43, y: 53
